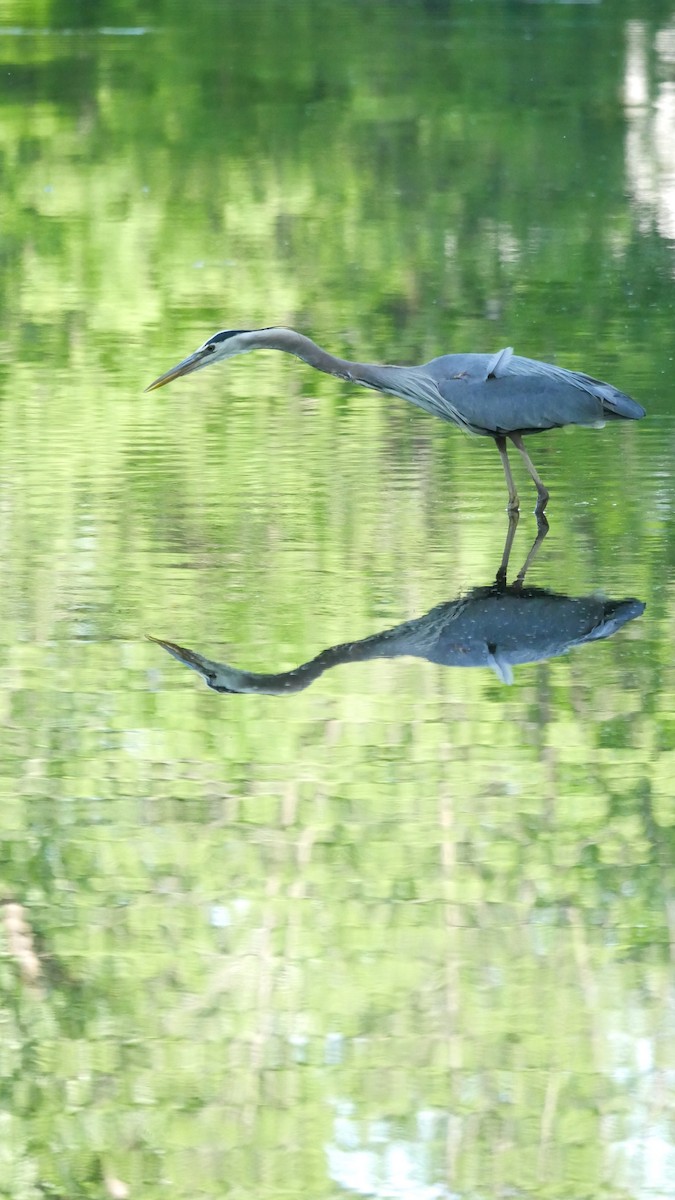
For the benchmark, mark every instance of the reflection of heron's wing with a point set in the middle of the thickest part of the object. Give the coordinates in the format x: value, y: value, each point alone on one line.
x: 501, y: 629
x: 616, y: 614
x: 502, y: 669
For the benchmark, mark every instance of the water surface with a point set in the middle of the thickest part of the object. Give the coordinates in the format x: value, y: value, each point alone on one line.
x: 408, y: 932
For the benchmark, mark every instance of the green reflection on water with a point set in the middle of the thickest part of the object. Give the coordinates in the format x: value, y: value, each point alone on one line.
x: 408, y: 930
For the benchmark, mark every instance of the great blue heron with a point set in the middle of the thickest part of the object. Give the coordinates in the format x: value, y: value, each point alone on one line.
x: 499, y: 626
x: 486, y: 628
x: 495, y: 395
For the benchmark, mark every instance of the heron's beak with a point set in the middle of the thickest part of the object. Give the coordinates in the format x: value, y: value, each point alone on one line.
x: 210, y: 671
x: 189, y: 657
x: 189, y: 364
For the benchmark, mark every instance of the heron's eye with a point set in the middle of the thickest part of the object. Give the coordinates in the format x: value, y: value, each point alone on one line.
x: 210, y: 348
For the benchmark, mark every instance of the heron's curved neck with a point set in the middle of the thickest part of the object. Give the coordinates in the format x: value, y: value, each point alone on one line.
x: 302, y: 347
x: 378, y: 645
x: 409, y: 383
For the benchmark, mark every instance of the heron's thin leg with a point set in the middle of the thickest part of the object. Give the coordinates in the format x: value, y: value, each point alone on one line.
x: 513, y: 505
x: 542, y: 530
x: 500, y: 578
x: 542, y: 493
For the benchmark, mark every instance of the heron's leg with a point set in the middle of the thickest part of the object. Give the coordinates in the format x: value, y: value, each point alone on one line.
x: 542, y: 494
x: 542, y: 530
x: 513, y: 505
x: 500, y: 577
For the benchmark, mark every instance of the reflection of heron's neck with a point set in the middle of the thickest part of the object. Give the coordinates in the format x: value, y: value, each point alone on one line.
x: 285, y: 682
x: 281, y: 684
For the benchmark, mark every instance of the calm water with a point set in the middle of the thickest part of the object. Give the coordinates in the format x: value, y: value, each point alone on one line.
x: 406, y: 933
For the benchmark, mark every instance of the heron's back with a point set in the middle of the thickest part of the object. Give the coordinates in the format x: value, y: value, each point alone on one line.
x: 502, y: 394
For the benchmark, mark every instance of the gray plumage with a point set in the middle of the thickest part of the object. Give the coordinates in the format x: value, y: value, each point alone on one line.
x: 506, y: 394
x: 496, y: 627
x: 492, y: 395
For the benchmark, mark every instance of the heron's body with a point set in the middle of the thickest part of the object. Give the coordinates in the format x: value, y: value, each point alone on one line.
x: 490, y: 627
x: 493, y: 395
x: 522, y: 396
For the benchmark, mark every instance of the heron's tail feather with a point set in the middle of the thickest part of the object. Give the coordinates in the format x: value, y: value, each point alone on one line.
x: 618, y: 405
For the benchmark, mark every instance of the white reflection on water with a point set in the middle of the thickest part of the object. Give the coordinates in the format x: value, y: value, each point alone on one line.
x: 642, y: 1149
x: 650, y: 163
x: 388, y: 1167
x: 103, y: 31
x: 368, y: 1158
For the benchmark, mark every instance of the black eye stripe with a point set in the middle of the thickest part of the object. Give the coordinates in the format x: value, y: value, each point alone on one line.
x: 227, y: 333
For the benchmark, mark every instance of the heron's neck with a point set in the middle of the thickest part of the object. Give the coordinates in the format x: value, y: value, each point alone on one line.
x: 302, y: 347
x: 375, y: 375
x: 379, y: 645
x: 404, y: 382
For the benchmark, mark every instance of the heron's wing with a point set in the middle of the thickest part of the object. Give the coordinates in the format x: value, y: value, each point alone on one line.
x: 512, y: 404
x: 475, y: 367
x: 499, y: 362
x: 503, y: 393
x: 614, y: 402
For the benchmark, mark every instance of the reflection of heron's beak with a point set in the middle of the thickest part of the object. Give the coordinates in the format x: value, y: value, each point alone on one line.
x: 189, y: 364
x: 189, y: 657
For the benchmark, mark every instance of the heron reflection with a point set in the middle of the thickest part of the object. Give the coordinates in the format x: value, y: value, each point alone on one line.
x: 499, y: 626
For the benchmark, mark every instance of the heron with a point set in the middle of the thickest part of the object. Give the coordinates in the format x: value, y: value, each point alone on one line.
x: 501, y: 395
x: 489, y: 627
x: 500, y: 626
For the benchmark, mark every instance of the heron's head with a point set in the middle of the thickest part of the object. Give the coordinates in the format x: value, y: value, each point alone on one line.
x: 221, y: 345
